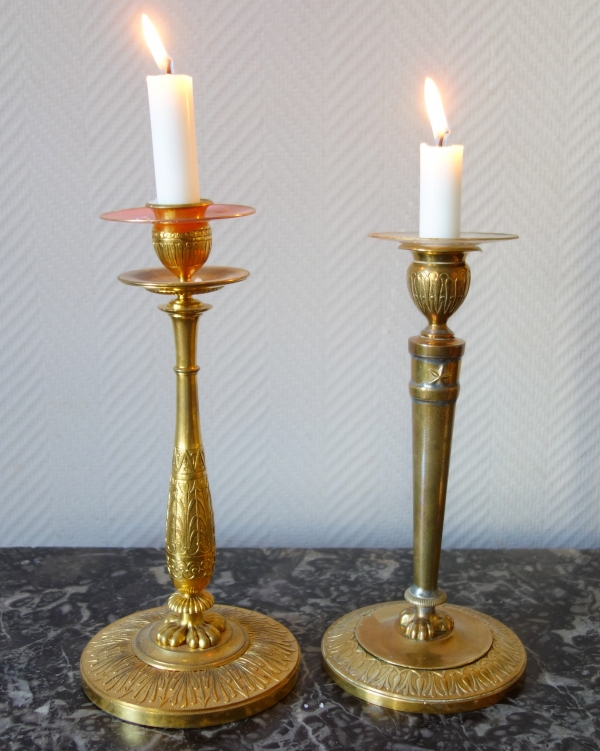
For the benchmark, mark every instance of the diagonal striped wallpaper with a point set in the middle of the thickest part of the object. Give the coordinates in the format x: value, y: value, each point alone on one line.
x: 313, y: 113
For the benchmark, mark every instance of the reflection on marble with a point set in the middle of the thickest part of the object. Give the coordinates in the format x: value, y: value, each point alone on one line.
x: 53, y: 600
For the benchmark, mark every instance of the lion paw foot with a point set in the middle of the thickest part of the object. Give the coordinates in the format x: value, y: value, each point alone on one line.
x: 423, y: 628
x: 197, y: 630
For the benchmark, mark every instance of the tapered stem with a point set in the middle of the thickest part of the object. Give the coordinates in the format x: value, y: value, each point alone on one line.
x: 190, y: 535
x: 434, y: 390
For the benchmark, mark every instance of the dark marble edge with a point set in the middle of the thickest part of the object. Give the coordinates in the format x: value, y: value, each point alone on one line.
x: 52, y: 600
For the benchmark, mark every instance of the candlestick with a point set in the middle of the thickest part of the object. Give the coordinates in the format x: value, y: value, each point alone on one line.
x: 171, y: 100
x: 441, y: 175
x: 412, y: 654
x: 192, y: 663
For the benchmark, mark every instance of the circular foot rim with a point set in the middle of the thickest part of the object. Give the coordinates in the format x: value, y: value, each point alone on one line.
x: 440, y: 691
x: 119, y: 682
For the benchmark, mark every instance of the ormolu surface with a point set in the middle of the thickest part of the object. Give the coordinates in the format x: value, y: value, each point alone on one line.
x: 119, y: 682
x: 161, y: 280
x: 190, y: 533
x: 469, y: 640
x: 232, y: 644
x: 182, y: 248
x: 182, y: 252
x: 190, y: 664
x: 458, y: 689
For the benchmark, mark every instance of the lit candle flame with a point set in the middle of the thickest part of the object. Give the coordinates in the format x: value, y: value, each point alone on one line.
x: 435, y: 110
x: 156, y: 46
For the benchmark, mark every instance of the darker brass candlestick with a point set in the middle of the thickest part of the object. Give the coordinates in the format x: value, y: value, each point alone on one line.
x: 419, y: 654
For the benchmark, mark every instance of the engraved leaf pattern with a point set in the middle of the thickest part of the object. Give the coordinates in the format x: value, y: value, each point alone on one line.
x: 189, y: 250
x: 190, y: 523
x: 439, y: 292
x: 109, y: 657
x: 501, y: 664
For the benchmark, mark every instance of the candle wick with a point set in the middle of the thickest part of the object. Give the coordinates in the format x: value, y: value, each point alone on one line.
x: 169, y: 66
x: 441, y: 143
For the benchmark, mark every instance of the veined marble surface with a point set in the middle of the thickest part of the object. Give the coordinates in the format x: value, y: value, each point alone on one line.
x: 52, y: 601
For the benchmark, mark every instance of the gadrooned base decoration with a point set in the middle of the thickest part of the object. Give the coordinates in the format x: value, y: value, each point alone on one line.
x: 261, y: 671
x: 475, y: 685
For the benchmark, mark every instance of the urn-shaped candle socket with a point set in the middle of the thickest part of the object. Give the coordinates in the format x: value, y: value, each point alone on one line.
x: 183, y: 253
x: 438, y: 284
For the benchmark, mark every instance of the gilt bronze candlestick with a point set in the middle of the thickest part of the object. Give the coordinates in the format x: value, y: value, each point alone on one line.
x: 412, y: 654
x: 192, y: 663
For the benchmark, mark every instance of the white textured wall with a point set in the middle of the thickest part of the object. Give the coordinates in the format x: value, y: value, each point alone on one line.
x: 312, y: 112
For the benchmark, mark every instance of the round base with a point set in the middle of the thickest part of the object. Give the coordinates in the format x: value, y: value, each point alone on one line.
x: 473, y: 684
x: 124, y: 675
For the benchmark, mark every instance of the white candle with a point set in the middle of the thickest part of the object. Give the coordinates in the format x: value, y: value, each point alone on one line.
x: 441, y: 175
x: 171, y: 99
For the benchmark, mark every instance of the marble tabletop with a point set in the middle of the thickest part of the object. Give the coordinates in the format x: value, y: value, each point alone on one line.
x: 53, y: 600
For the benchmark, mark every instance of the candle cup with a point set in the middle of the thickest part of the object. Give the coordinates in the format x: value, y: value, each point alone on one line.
x: 182, y: 247
x: 192, y: 663
x: 418, y: 654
